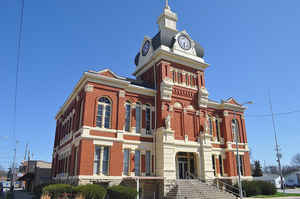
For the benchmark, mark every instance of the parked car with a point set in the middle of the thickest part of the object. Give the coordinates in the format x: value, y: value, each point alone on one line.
x: 6, y: 186
x: 1, y: 187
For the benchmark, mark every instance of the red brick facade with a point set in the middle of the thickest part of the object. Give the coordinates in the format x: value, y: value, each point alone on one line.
x: 161, y: 124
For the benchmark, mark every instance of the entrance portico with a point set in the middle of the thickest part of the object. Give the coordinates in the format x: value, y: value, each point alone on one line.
x: 185, y: 165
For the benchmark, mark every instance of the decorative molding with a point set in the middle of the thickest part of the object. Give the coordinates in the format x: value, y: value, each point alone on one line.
x: 122, y: 93
x: 225, y: 113
x: 183, y: 92
x: 177, y: 105
x: 166, y: 88
x: 89, y: 88
x: 203, y: 97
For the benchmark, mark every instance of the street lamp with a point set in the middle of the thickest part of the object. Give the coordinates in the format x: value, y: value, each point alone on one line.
x: 237, y: 150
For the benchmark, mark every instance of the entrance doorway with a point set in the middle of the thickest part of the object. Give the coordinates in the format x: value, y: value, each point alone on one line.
x: 185, y: 165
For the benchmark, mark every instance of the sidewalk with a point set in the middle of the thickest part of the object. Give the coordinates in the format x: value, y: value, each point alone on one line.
x: 293, y: 197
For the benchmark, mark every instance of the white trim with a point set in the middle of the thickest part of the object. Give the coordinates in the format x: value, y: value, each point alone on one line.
x: 165, y: 53
x: 101, y: 79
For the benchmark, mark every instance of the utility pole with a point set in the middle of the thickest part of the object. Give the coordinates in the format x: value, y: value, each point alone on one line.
x: 276, y: 146
x: 237, y: 150
x: 13, y: 178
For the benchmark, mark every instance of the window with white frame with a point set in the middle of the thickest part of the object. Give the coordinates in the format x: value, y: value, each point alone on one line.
x: 126, y: 162
x: 241, y: 164
x: 221, y: 165
x: 105, y: 162
x: 97, y: 159
x: 235, y: 130
x: 148, y: 163
x: 127, y: 116
x: 81, y: 113
x: 218, y: 130
x: 101, y: 160
x: 138, y: 114
x: 104, y: 113
x: 137, y: 163
x: 76, y: 161
x: 210, y: 123
x: 148, y: 119
x: 174, y: 76
x: 187, y: 79
x: 214, y: 164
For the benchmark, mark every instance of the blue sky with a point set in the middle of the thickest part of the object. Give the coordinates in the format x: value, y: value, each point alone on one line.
x: 252, y: 46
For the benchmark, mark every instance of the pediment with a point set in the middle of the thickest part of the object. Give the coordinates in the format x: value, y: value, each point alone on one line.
x: 109, y: 73
x: 232, y: 101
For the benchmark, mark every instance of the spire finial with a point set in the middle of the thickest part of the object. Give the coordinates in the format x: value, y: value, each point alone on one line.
x: 167, y: 4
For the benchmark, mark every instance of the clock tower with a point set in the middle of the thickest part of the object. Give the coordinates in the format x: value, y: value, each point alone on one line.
x: 173, y: 64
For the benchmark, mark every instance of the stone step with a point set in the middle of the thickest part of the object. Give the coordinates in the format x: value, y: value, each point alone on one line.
x: 189, y: 189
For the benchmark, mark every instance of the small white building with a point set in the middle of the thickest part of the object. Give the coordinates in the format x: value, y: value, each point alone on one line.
x: 275, y: 179
x: 293, y: 179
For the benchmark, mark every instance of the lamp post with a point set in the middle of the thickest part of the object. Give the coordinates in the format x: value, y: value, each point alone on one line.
x: 237, y: 151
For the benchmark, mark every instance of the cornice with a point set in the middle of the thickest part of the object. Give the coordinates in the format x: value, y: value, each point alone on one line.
x: 109, y: 81
x: 226, y: 106
x: 165, y: 53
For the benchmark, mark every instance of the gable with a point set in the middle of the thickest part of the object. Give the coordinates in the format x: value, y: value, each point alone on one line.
x: 107, y: 73
x: 232, y: 101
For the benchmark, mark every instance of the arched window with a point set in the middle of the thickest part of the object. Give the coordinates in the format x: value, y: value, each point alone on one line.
x: 127, y: 116
x: 235, y: 130
x: 104, y: 113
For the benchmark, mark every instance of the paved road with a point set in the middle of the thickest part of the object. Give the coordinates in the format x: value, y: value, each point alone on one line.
x: 22, y: 195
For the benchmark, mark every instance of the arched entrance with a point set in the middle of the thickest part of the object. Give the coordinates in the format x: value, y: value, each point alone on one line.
x: 185, y: 165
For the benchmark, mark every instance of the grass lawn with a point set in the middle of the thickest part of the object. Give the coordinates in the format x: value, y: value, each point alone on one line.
x: 277, y: 195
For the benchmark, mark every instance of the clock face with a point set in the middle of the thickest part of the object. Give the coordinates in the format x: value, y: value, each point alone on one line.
x: 184, y: 42
x: 146, y: 48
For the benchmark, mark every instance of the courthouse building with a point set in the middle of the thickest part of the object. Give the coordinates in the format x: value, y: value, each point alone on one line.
x: 161, y: 126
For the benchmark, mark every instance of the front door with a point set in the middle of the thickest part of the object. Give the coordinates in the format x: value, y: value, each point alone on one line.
x: 183, y: 168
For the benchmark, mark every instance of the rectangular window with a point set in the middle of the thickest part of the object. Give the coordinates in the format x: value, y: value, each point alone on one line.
x: 221, y: 165
x: 126, y: 162
x: 174, y: 76
x: 218, y: 130
x: 97, y: 159
x: 148, y: 120
x: 148, y: 163
x: 192, y: 80
x: 76, y: 162
x: 138, y: 118
x: 187, y: 79
x: 179, y: 79
x: 213, y: 164
x: 81, y: 113
x: 241, y: 164
x: 127, y: 118
x: 105, y: 160
x: 210, y: 126
x: 137, y: 163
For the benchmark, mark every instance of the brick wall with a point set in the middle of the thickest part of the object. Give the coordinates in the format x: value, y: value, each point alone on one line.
x: 116, y: 159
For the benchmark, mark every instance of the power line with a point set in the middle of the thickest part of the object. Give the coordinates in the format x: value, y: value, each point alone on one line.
x: 277, y: 114
x: 18, y: 69
x: 16, y: 94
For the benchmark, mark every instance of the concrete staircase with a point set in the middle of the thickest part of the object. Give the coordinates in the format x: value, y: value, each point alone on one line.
x: 192, y: 189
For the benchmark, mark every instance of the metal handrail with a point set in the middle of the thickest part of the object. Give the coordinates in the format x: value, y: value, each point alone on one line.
x: 225, y: 186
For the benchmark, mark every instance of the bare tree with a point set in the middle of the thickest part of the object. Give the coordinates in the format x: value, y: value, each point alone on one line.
x: 296, y: 160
